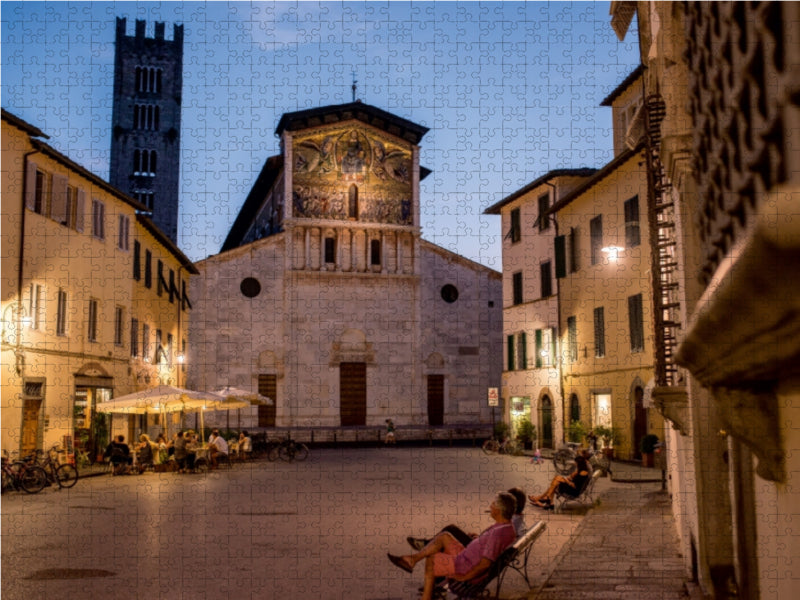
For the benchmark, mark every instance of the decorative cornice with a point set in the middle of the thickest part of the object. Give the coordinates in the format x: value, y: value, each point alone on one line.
x: 751, y: 416
x: 673, y: 404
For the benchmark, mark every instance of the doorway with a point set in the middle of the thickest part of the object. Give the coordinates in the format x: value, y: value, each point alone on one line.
x: 639, y: 421
x: 435, y: 400
x: 32, y: 402
x: 353, y: 393
x: 546, y: 411
x: 91, y: 429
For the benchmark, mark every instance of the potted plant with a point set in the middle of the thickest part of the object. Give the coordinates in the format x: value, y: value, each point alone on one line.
x: 526, y: 433
x: 648, y: 447
x: 500, y: 430
x: 576, y: 432
x: 610, y: 436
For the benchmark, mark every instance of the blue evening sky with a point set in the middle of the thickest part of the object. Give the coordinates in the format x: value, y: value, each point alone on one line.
x: 509, y: 91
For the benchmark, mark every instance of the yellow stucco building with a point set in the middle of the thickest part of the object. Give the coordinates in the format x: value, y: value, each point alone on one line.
x: 602, y: 264
x: 94, y: 299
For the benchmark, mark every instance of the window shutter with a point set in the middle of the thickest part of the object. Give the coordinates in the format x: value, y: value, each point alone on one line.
x: 573, y: 250
x: 30, y: 186
x: 59, y: 211
x: 538, y: 348
x: 561, y: 256
x: 80, y: 210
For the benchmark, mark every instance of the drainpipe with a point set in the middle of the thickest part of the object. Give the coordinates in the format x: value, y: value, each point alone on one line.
x: 21, y: 263
x: 559, y: 354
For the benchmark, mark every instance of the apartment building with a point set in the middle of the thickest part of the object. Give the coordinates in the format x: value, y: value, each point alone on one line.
x: 94, y: 301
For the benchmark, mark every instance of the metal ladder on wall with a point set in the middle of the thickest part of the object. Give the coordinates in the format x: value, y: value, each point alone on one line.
x: 661, y: 218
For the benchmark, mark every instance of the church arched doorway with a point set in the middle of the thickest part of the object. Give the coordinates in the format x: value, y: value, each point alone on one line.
x: 546, y: 422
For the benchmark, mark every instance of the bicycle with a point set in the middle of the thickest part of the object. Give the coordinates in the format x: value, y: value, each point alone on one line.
x: 507, y: 446
x: 64, y: 475
x: 290, y: 450
x: 564, y: 459
x: 20, y: 476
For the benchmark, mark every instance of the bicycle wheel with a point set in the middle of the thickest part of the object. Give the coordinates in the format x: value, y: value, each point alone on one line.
x: 301, y: 452
x: 273, y: 453
x: 601, y: 461
x: 287, y: 452
x: 8, y: 482
x: 33, y: 479
x: 490, y: 446
x: 564, y: 461
x: 66, y: 476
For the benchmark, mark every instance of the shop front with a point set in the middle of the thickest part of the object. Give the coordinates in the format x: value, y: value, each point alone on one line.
x: 91, y: 429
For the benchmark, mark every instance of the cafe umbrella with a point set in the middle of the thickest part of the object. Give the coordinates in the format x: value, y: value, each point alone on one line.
x: 231, y: 393
x: 164, y: 399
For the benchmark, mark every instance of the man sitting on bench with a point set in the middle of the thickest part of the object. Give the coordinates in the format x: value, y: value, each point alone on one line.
x: 445, y: 556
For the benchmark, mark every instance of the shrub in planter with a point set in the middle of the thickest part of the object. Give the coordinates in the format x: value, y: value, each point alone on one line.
x: 648, y: 446
x: 526, y: 433
x: 500, y: 430
x: 576, y: 432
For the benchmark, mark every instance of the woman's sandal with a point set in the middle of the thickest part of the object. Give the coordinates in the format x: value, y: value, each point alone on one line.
x: 400, y: 561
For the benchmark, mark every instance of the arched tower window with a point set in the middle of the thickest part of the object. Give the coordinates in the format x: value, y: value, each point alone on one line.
x: 352, y: 202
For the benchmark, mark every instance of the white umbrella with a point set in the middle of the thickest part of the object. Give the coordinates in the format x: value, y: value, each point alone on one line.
x: 233, y: 393
x: 164, y: 399
x: 252, y: 398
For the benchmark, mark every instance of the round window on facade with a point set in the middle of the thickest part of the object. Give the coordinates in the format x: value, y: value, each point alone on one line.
x: 449, y: 293
x: 250, y: 287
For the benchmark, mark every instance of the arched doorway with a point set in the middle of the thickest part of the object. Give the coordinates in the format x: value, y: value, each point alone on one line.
x: 639, y: 420
x: 546, y: 422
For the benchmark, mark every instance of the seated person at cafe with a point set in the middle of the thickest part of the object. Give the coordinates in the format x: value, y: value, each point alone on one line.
x: 245, y: 445
x: 119, y: 455
x: 182, y: 457
x: 445, y: 556
x: 146, y: 452
x: 217, y: 447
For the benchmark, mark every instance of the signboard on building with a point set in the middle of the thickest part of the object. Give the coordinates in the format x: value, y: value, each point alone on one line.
x: 494, y: 396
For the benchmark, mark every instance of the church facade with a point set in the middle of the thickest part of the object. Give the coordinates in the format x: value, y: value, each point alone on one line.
x: 325, y: 297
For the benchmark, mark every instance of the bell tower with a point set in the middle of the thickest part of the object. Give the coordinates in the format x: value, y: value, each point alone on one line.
x: 146, y: 120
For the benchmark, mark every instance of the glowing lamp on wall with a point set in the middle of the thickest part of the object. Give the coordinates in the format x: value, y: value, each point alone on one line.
x: 612, y: 252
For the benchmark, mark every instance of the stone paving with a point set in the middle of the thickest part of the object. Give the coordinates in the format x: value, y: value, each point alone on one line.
x: 625, y: 548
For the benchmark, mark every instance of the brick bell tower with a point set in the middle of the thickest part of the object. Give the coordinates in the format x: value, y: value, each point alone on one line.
x: 146, y: 120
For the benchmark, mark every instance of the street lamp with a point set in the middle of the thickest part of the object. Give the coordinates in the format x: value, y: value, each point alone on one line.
x: 612, y: 252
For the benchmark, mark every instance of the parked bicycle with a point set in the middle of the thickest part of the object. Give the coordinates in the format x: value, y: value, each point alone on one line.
x: 65, y: 475
x: 290, y: 450
x: 507, y: 446
x: 564, y: 459
x: 20, y: 476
